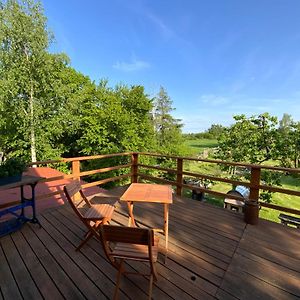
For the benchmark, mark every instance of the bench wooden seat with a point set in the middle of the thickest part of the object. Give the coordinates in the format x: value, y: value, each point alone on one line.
x: 233, y: 204
x: 289, y: 220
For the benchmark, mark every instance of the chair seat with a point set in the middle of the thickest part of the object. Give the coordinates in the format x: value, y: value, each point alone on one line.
x: 99, y: 211
x: 135, y: 251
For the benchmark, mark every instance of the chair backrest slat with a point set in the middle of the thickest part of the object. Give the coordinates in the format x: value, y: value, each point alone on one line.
x: 75, y: 195
x: 130, y: 235
x: 73, y: 187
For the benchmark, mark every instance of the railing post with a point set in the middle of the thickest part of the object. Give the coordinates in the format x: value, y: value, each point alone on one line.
x: 134, y: 167
x: 254, y: 181
x: 76, y: 169
x: 179, y: 177
x: 251, y: 208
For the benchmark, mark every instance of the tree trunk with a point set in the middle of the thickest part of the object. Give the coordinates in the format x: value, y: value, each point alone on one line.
x: 32, y: 132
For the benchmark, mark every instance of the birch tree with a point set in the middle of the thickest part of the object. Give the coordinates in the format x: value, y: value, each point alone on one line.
x: 24, y: 72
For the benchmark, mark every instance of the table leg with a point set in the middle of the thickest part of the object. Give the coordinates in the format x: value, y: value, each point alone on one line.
x: 131, y: 221
x: 22, y: 201
x: 166, y: 227
x: 34, y: 218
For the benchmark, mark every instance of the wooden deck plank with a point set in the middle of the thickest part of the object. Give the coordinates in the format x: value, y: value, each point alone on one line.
x: 83, y: 283
x: 178, y: 232
x: 198, y: 266
x: 213, y: 254
x: 278, y: 238
x: 264, y: 251
x: 172, y: 287
x: 247, y: 287
x: 191, y: 278
x: 280, y: 278
x: 58, y: 275
x: 266, y: 261
x: 24, y: 281
x: 87, y: 260
x: 222, y: 295
x: 188, y: 228
x: 40, y: 276
x: 167, y: 286
x: 8, y: 286
x: 92, y: 251
x: 179, y: 246
x: 86, y: 266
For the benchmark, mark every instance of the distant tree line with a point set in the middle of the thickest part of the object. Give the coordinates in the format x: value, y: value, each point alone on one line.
x: 48, y: 110
x: 214, y: 132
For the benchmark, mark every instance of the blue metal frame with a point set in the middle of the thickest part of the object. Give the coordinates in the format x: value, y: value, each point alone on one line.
x: 14, y: 224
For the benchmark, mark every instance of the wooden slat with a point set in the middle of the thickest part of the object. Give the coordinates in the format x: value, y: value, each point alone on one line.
x: 87, y: 288
x: 166, y: 284
x: 247, y: 287
x: 24, y: 281
x: 40, y: 276
x: 212, y: 254
x: 68, y: 241
x: 279, y: 278
x: 9, y: 288
x: 58, y: 275
x: 99, y: 211
x: 72, y: 229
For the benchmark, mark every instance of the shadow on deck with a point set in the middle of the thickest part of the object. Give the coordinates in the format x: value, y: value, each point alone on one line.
x: 213, y: 254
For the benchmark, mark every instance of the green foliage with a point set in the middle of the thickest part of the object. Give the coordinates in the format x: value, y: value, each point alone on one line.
x: 117, y: 120
x: 253, y: 140
x: 27, y: 79
x: 288, y: 144
x: 12, y: 166
x: 249, y: 139
x: 167, y: 128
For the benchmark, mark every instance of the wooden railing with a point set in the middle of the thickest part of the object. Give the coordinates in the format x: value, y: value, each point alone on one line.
x: 135, y: 172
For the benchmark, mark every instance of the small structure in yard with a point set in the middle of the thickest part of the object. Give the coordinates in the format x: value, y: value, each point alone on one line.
x: 203, y: 183
x: 234, y: 204
x: 289, y: 220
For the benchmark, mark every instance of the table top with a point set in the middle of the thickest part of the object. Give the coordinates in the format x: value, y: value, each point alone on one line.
x: 26, y: 179
x: 145, y: 192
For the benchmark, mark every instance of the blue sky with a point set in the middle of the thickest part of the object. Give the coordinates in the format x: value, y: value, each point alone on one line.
x: 215, y: 58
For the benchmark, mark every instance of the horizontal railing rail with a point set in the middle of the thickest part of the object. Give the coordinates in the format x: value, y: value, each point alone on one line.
x: 253, y: 184
x: 135, y: 172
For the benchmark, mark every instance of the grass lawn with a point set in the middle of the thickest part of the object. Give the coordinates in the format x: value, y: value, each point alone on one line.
x: 196, y: 147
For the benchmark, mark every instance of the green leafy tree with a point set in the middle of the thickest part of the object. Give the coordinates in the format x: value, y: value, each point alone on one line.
x: 286, y: 122
x: 26, y: 77
x: 117, y: 120
x: 251, y: 140
x: 288, y: 144
x: 215, y: 131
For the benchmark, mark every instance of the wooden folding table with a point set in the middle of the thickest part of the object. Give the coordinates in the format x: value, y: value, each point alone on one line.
x: 155, y: 193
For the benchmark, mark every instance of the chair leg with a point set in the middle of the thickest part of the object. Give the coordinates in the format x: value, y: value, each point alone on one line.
x: 116, y: 294
x: 83, y: 242
x: 150, y: 286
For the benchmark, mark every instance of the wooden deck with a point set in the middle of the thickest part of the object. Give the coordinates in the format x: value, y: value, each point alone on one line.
x: 213, y: 254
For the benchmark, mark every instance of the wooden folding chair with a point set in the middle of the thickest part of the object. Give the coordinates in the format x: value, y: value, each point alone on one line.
x: 92, y: 215
x: 130, y: 243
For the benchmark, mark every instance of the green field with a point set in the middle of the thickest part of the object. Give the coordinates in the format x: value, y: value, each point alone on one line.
x: 197, y: 147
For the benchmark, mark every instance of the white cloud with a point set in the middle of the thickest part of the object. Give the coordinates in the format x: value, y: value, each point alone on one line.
x: 162, y: 27
x: 214, y: 100
x: 134, y: 65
